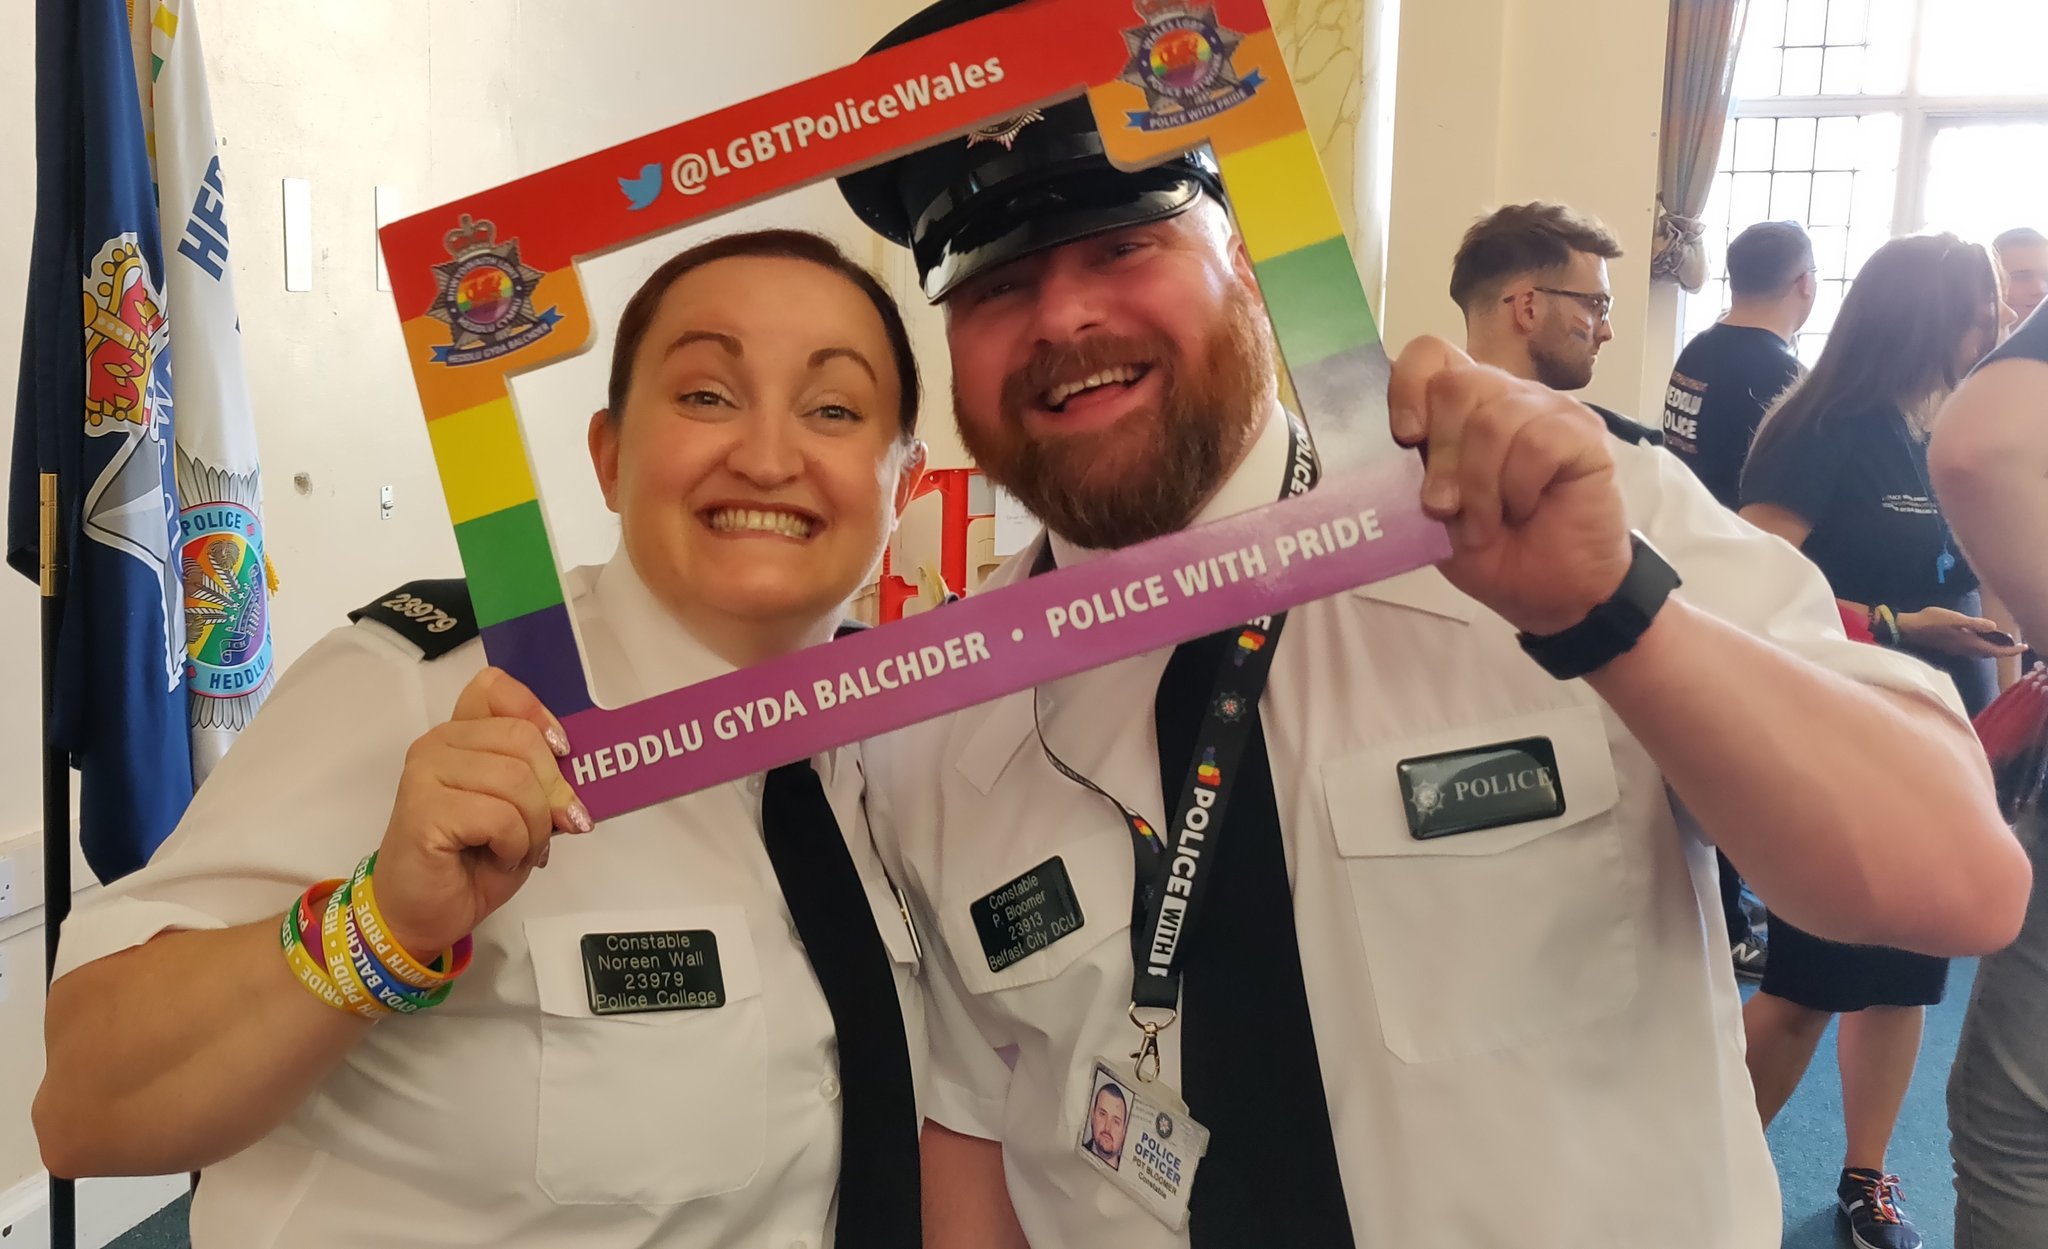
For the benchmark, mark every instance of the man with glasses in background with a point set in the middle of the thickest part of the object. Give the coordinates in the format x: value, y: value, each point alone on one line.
x: 1532, y: 280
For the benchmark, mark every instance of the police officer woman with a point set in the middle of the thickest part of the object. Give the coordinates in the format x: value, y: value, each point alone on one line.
x: 758, y: 446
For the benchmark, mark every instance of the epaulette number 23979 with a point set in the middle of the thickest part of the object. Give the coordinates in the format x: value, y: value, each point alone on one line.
x: 420, y: 609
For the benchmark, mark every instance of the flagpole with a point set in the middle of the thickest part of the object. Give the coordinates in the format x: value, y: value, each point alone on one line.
x: 56, y: 812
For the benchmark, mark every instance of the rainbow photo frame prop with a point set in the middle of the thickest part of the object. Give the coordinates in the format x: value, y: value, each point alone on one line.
x: 488, y: 288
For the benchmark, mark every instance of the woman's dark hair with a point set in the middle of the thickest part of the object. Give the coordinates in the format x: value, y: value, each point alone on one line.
x: 1894, y: 343
x: 781, y: 244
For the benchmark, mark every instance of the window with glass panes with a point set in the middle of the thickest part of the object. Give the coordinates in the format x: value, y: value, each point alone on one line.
x: 1862, y: 119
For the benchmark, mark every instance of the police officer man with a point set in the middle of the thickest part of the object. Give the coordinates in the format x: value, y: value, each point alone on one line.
x: 1326, y: 909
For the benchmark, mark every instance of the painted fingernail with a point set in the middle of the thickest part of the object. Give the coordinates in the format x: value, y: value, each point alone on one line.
x: 579, y: 816
x: 558, y: 741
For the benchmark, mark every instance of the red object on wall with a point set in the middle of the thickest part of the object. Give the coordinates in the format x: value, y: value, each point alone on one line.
x: 953, y: 486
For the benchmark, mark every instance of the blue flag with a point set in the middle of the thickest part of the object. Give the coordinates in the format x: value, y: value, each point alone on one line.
x: 94, y: 407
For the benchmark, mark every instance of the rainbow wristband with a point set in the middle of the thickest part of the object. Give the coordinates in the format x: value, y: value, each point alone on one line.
x: 377, y: 939
x: 396, y: 998
x: 334, y: 933
x: 300, y: 959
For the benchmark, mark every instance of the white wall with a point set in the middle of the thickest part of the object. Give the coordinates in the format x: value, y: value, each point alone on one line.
x: 1504, y: 101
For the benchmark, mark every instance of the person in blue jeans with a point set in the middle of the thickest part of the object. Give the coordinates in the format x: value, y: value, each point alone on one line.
x: 1990, y: 463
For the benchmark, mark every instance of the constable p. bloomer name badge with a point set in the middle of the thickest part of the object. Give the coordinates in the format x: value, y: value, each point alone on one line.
x: 1138, y: 1134
x: 1027, y: 915
x: 1463, y: 791
x: 629, y: 973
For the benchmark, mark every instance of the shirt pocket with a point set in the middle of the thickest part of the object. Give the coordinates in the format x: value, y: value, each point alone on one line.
x: 1099, y: 870
x: 656, y: 1108
x: 1499, y: 938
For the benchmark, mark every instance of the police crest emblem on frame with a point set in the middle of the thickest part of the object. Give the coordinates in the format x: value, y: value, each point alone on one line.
x: 1181, y: 60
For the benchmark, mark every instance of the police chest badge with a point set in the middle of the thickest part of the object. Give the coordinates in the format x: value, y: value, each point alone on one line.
x: 1464, y: 791
x: 1181, y: 59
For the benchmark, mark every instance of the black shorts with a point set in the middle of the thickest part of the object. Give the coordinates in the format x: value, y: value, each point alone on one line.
x: 1826, y: 975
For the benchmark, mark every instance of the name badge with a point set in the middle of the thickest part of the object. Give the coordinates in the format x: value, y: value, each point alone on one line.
x: 1027, y: 915
x: 632, y: 973
x: 1463, y: 791
x: 1139, y: 1136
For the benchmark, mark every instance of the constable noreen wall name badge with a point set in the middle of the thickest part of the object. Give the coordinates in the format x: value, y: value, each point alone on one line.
x: 630, y: 973
x: 1463, y: 791
x: 1027, y: 915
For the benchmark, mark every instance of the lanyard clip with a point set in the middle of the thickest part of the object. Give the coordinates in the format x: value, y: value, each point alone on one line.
x: 1148, y: 1044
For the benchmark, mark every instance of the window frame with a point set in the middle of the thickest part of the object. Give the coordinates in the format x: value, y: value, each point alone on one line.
x: 1921, y: 118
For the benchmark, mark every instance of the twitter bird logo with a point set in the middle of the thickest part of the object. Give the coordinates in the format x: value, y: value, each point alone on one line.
x: 643, y: 189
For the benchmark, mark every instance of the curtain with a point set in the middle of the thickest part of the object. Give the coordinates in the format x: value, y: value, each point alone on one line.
x: 1699, y: 72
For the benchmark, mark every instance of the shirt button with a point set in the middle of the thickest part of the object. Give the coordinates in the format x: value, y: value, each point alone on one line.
x: 828, y: 1088
x: 754, y: 785
x: 798, y: 1244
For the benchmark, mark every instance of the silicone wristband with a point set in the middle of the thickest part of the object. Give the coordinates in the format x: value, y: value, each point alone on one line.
x: 301, y: 960
x: 334, y: 931
x: 393, y: 997
x: 377, y: 937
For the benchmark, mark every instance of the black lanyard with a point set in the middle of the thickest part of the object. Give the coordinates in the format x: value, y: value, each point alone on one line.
x: 1172, y: 872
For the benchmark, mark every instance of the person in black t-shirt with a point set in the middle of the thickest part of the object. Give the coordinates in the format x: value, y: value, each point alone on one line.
x: 1840, y: 470
x: 1990, y: 462
x: 1725, y: 380
x: 1729, y: 375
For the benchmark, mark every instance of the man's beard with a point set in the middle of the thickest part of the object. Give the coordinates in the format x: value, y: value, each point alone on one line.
x: 1150, y: 472
x: 1561, y: 372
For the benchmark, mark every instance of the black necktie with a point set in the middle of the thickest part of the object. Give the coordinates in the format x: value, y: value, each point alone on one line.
x: 878, y: 1164
x: 1248, y: 1050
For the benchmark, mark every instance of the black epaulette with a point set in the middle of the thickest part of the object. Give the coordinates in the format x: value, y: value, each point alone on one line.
x: 433, y: 615
x: 1629, y: 431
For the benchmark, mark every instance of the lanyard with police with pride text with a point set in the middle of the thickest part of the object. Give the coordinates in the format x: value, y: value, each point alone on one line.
x: 1171, y: 875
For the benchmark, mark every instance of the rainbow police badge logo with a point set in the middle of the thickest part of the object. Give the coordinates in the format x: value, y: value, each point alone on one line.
x: 227, y: 616
x: 486, y: 297
x: 1181, y: 59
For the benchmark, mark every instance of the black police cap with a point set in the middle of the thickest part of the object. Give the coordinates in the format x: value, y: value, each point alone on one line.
x: 1013, y: 187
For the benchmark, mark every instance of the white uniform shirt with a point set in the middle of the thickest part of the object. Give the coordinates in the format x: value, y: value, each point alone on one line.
x: 1529, y: 1035
x: 511, y: 1116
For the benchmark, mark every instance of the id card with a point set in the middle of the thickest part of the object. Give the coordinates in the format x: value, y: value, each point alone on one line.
x: 1139, y: 1136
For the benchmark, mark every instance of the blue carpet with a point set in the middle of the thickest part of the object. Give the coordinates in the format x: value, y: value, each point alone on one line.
x: 163, y: 1230
x: 1807, y: 1137
x: 1806, y: 1140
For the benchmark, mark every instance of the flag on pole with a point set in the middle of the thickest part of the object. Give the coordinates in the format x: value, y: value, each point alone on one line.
x: 94, y: 407
x: 228, y: 665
